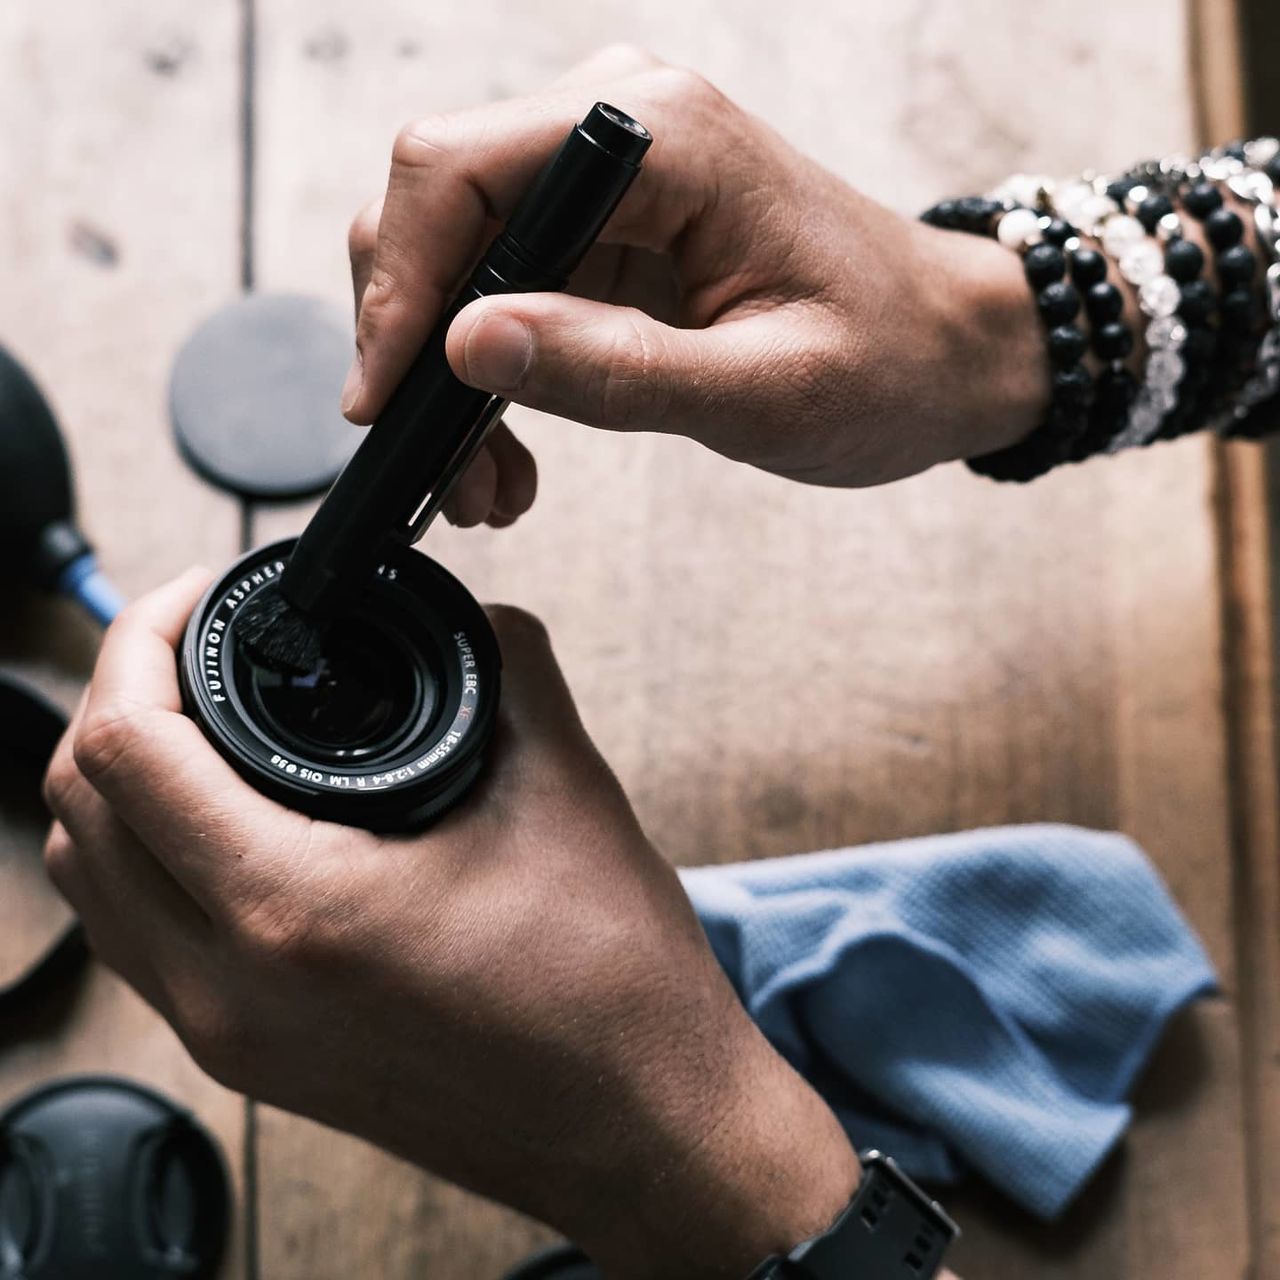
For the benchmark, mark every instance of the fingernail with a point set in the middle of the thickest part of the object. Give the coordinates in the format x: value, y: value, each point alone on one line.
x: 351, y: 387
x: 499, y: 352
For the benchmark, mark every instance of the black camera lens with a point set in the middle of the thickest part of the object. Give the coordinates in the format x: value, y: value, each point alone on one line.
x: 390, y: 726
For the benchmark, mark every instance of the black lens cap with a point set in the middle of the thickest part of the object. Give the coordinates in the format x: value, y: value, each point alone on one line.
x: 102, y: 1179
x: 254, y: 396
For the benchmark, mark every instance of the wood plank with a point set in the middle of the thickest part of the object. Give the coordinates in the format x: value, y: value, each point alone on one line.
x: 1260, y: 29
x: 1251, y: 545
x: 991, y: 654
x: 119, y: 213
x: 1238, y: 46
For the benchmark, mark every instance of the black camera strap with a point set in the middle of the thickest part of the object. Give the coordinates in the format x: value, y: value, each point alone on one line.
x: 30, y: 728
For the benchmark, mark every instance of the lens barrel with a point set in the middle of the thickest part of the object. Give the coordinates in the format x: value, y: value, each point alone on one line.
x: 391, y: 727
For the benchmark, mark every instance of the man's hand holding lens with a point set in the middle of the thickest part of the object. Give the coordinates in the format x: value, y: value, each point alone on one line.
x: 520, y: 999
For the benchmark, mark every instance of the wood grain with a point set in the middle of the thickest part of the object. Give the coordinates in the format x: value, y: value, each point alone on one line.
x: 1237, y: 50
x: 118, y: 211
x: 969, y: 654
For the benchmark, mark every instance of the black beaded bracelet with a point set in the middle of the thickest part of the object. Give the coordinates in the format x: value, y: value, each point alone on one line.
x: 1191, y: 333
x: 1115, y: 387
x: 1197, y: 312
x: 1130, y: 221
x: 1239, y: 309
x: 1040, y: 240
x: 1243, y: 381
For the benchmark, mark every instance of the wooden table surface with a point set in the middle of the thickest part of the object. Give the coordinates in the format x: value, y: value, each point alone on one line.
x: 1091, y: 649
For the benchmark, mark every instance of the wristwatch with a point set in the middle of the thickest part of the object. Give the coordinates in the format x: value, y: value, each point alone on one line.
x: 891, y: 1230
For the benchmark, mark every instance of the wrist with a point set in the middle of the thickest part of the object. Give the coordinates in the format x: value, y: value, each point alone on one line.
x: 762, y: 1166
x: 991, y: 358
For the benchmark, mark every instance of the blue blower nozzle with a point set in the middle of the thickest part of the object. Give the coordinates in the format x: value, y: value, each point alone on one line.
x: 41, y: 542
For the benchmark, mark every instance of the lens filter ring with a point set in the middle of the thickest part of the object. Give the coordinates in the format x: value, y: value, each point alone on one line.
x: 389, y: 731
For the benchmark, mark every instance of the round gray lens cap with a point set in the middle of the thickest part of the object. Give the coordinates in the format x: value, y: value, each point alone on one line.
x: 254, y: 396
x: 103, y: 1179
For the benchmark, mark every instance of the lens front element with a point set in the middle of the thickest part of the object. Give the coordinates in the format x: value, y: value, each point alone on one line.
x: 362, y: 699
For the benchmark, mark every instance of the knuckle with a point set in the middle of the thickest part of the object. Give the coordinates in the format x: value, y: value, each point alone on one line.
x: 278, y: 929
x: 380, y: 307
x: 215, y: 1034
x: 623, y: 56
x: 60, y: 858
x: 513, y: 624
x: 681, y: 86
x: 421, y: 142
x: 106, y: 739
x: 362, y: 235
x: 60, y: 783
x: 385, y: 302
x: 631, y: 384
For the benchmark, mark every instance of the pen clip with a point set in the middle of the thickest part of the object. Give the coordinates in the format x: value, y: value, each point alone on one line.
x: 454, y: 468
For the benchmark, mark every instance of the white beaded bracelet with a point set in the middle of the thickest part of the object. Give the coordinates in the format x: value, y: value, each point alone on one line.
x: 1248, y: 180
x: 1140, y: 260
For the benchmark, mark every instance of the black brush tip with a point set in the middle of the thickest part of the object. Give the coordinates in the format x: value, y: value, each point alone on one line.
x: 278, y: 635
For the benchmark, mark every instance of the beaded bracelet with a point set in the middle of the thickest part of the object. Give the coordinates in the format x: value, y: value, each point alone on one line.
x: 1115, y: 388
x: 1039, y: 239
x: 1190, y: 332
x: 1251, y: 171
x: 1109, y: 211
x: 1264, y: 384
x: 1236, y: 265
x: 1184, y: 261
x: 1204, y: 354
x: 1150, y: 187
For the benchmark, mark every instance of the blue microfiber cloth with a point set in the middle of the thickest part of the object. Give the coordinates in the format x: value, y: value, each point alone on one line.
x: 978, y: 1001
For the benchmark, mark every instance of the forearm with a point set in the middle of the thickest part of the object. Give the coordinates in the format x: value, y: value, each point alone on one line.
x: 775, y: 1170
x: 729, y: 1176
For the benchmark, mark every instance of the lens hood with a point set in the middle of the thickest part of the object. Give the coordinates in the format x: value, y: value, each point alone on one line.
x: 388, y: 731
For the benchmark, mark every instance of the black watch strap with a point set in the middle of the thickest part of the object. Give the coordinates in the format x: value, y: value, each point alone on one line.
x: 891, y: 1230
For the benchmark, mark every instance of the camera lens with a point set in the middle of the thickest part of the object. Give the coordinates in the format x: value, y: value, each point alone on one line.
x: 366, y: 692
x: 388, y: 730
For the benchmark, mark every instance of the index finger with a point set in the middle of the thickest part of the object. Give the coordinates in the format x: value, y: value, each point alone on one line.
x: 215, y: 834
x: 455, y: 178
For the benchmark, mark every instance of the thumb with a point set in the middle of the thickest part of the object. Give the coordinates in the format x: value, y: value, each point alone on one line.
x: 604, y: 365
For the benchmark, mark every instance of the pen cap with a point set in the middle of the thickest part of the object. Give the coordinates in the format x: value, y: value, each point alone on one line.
x: 573, y: 197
